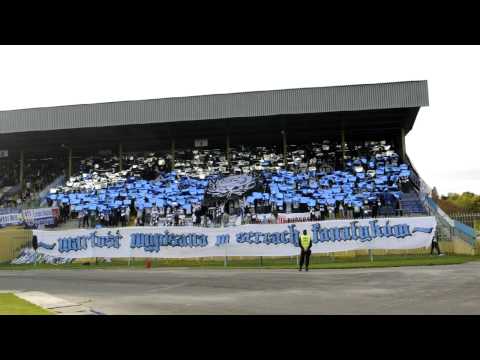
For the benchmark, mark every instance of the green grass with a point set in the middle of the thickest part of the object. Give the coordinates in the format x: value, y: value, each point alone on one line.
x: 13, y: 305
x: 316, y: 262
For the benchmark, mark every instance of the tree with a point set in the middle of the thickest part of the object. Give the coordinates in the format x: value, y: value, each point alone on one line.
x: 448, y: 206
x: 466, y: 202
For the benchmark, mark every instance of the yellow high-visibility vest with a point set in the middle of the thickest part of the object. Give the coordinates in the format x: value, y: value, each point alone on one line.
x: 305, y: 241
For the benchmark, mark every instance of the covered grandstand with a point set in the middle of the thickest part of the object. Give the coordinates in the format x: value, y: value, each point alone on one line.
x: 279, y: 117
x: 288, y: 140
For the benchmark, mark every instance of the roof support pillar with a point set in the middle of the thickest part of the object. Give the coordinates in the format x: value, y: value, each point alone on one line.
x: 172, y: 151
x: 403, y: 150
x: 284, y: 141
x: 69, y: 163
x: 227, y: 143
x: 21, y: 180
x: 69, y: 159
x: 228, y: 149
x: 171, y: 134
x: 342, y: 135
x: 120, y: 156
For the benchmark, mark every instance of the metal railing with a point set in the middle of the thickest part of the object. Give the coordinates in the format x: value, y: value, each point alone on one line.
x: 447, y: 227
x: 234, y: 220
x: 466, y: 218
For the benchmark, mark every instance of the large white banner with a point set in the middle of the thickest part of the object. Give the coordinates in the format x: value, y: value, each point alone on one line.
x: 244, y: 240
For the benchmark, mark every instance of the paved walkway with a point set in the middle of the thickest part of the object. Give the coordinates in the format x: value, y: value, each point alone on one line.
x: 54, y: 304
x: 452, y: 289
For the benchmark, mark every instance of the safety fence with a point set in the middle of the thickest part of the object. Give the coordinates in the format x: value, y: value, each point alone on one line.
x: 470, y: 219
x: 235, y: 220
x: 12, y: 240
x: 447, y: 227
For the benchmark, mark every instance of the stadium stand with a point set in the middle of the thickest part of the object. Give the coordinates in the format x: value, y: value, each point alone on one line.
x: 248, y: 156
x: 38, y: 173
x: 256, y: 157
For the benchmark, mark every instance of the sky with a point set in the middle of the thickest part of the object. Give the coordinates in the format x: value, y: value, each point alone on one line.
x: 444, y: 144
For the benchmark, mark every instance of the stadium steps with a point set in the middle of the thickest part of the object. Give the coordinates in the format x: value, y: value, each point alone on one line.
x: 46, y: 190
x: 9, y: 191
x: 411, y: 204
x: 4, y: 190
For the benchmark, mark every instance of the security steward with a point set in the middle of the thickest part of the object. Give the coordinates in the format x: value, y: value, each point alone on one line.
x: 305, y: 245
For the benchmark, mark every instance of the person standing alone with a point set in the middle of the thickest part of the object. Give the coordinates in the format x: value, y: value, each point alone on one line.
x: 435, y: 246
x: 305, y: 245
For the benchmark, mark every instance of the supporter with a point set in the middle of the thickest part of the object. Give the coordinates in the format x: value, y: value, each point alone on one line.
x: 375, y: 209
x: 225, y: 219
x: 434, y: 246
x: 80, y: 218
x: 331, y: 212
x: 85, y: 219
x: 107, y: 217
x: 341, y: 211
x: 93, y: 218
x: 356, y: 211
x: 127, y: 215
x: 138, y: 220
x: 148, y: 217
x: 154, y: 216
x: 123, y: 217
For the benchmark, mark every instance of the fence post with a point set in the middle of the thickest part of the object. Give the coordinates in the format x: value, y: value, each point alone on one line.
x: 225, y: 259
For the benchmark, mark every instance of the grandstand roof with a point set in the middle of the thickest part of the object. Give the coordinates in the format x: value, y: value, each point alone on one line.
x: 396, y: 95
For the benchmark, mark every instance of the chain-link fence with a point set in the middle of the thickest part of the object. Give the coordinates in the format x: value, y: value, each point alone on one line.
x: 12, y: 240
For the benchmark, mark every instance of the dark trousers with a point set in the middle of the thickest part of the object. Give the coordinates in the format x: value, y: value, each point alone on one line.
x: 435, y: 246
x: 305, y: 258
x: 85, y: 221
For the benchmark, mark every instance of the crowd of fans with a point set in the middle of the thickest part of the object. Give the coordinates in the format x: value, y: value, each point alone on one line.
x: 38, y: 174
x: 9, y: 172
x: 316, y: 179
x: 42, y: 172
